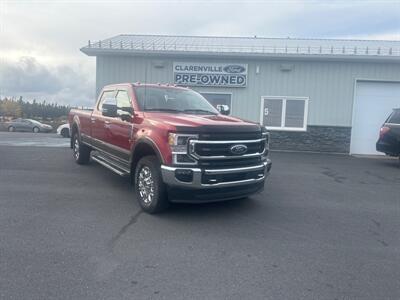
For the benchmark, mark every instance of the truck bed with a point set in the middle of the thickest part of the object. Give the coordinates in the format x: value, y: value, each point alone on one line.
x: 82, y: 116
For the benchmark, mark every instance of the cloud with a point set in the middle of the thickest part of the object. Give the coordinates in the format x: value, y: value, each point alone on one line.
x: 40, y: 40
x: 29, y: 78
x: 349, y: 18
x: 58, y: 28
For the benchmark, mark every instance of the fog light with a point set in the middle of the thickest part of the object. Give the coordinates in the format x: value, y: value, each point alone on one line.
x: 184, y: 175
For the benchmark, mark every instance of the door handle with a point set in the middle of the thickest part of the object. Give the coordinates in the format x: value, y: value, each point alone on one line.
x: 92, y: 119
x: 106, y: 122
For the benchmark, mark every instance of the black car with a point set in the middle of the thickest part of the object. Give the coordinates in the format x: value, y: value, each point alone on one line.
x: 389, y: 136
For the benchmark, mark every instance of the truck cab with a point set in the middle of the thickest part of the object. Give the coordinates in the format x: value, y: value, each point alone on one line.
x: 173, y: 143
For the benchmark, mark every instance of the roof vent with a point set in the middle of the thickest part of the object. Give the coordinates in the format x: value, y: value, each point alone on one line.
x: 286, y: 67
x: 158, y: 64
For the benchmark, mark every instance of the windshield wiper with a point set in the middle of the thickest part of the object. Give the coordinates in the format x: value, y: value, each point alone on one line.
x: 200, y: 111
x: 163, y: 109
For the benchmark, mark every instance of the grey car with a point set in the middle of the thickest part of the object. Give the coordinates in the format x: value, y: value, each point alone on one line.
x: 27, y: 125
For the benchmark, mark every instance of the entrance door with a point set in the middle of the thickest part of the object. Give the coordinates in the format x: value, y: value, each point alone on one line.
x: 219, y: 99
x: 373, y: 103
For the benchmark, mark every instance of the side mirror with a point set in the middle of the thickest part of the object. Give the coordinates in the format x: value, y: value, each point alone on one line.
x: 223, y: 109
x: 125, y: 114
x: 109, y: 107
x: 129, y: 110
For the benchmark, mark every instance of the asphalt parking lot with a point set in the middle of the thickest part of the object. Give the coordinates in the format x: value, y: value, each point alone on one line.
x: 326, y: 227
x: 29, y: 139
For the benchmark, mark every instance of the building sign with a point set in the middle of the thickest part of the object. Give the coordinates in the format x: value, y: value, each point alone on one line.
x: 210, y: 74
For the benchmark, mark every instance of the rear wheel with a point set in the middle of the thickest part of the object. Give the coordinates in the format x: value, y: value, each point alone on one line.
x: 11, y: 128
x: 81, y: 152
x: 35, y: 129
x: 149, y: 188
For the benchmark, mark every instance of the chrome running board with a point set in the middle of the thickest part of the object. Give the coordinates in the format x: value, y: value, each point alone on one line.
x: 110, y: 165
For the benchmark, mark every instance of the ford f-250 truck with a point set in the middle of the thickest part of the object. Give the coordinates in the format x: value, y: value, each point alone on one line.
x: 173, y: 144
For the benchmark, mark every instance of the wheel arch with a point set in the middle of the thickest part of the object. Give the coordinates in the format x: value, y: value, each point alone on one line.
x: 144, y: 147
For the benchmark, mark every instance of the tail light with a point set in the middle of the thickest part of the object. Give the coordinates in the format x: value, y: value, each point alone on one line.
x: 383, y: 131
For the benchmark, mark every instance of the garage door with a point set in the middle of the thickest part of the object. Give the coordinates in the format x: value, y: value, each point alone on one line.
x: 373, y: 103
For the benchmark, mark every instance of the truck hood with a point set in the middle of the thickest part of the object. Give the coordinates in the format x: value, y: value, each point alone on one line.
x: 209, y: 122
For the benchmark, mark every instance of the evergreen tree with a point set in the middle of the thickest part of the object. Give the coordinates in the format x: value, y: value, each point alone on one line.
x: 20, y: 108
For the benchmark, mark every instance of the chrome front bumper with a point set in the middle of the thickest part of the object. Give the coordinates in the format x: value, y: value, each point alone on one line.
x: 169, y: 178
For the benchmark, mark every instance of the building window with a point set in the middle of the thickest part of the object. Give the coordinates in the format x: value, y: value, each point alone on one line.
x: 284, y: 113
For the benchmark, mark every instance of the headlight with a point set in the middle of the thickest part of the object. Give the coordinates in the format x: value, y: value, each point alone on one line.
x: 178, y: 142
x: 265, y: 135
x: 179, y: 148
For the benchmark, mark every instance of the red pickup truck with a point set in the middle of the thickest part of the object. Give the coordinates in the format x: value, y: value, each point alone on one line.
x: 173, y: 144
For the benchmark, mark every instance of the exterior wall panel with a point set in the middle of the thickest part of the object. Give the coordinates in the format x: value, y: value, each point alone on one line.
x: 329, y: 85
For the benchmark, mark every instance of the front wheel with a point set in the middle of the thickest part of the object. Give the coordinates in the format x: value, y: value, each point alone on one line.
x: 149, y: 188
x: 65, y: 133
x: 81, y: 151
x: 35, y: 129
x: 11, y: 129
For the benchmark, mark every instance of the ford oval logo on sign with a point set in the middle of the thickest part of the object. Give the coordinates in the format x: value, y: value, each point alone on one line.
x: 238, y: 149
x: 234, y: 69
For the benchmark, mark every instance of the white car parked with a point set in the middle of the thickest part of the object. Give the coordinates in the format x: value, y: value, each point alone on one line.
x: 63, y: 130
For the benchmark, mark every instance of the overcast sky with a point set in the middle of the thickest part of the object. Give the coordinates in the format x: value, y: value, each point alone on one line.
x: 40, y: 40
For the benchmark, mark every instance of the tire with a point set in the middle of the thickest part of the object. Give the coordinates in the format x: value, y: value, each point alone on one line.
x: 11, y: 129
x: 36, y: 130
x: 152, y: 196
x: 81, y: 152
x: 65, y: 133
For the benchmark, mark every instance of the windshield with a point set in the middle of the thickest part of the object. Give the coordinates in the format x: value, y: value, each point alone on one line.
x: 173, y: 100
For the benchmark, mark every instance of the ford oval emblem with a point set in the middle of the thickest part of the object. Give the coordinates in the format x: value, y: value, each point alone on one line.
x: 234, y: 69
x: 238, y: 149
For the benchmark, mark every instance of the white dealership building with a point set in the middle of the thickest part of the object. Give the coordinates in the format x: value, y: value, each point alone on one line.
x: 312, y: 94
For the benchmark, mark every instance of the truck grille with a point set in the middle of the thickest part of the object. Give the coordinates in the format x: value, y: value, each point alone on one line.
x: 228, y: 163
x: 226, y: 136
x: 211, y: 179
x: 224, y: 149
x: 214, y: 150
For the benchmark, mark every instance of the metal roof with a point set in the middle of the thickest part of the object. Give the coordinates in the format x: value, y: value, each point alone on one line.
x: 243, y: 46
